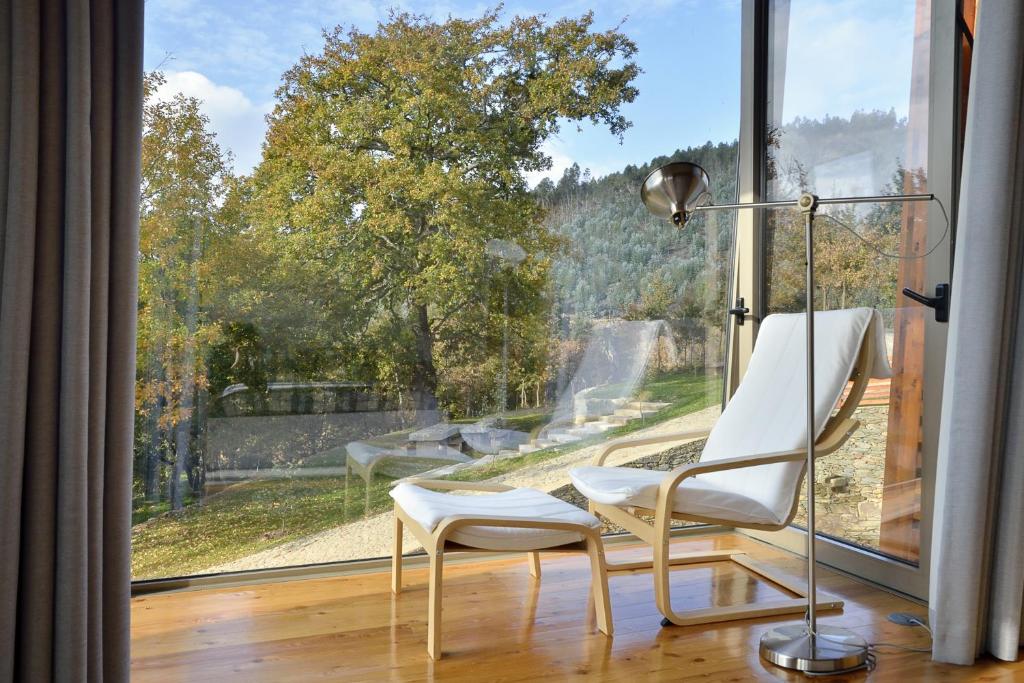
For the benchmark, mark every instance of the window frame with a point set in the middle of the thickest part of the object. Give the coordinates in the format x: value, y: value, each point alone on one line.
x: 945, y: 140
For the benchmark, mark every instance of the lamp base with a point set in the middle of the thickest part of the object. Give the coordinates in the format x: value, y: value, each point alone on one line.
x: 833, y: 649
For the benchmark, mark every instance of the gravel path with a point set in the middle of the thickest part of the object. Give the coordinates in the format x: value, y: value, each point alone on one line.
x: 371, y: 537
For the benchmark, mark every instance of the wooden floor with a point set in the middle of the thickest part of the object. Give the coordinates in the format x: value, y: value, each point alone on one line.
x: 501, y: 625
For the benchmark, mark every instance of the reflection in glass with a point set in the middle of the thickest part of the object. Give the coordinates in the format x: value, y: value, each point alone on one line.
x: 849, y: 116
x: 308, y: 336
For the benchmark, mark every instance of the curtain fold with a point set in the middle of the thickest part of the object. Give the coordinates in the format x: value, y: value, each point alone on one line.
x: 977, y: 566
x: 70, y: 136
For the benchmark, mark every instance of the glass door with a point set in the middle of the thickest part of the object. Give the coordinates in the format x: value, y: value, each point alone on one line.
x: 420, y: 279
x: 859, y: 102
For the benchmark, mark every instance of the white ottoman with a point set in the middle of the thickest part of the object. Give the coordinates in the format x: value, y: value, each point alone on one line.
x: 506, y: 519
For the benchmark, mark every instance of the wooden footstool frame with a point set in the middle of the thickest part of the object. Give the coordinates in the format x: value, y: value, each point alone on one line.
x: 436, y: 543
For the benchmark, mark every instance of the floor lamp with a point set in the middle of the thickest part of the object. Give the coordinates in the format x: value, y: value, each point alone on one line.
x: 677, y: 191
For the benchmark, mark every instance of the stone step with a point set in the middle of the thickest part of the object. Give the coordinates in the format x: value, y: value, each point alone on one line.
x: 647, y: 406
x: 527, y: 448
x: 564, y: 435
x: 592, y: 428
x: 629, y: 413
x: 617, y: 420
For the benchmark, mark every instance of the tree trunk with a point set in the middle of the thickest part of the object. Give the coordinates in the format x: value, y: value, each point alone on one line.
x: 424, y: 374
x: 183, y: 430
x: 197, y: 472
x: 155, y: 441
x: 183, y: 433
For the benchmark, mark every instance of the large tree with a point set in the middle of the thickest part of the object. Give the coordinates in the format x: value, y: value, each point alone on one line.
x: 184, y: 175
x: 392, y: 159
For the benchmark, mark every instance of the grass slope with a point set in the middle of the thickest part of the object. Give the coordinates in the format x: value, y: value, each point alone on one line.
x: 254, y: 516
x: 246, y: 519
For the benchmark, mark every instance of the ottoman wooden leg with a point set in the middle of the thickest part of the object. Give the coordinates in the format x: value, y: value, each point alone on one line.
x: 599, y: 582
x: 434, y: 599
x: 396, y: 558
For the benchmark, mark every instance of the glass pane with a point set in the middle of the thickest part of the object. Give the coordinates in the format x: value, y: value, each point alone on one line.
x: 428, y: 262
x: 848, y: 116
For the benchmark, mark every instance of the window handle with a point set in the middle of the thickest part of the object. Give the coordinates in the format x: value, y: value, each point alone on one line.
x: 940, y: 302
x: 739, y: 310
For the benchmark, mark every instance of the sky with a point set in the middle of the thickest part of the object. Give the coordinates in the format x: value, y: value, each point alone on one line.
x: 231, y: 54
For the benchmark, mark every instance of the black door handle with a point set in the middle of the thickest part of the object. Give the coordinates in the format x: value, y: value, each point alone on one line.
x: 739, y: 310
x: 940, y: 302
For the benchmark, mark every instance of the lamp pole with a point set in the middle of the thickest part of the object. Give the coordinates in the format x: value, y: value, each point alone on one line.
x: 808, y: 647
x: 808, y: 204
x: 674, y: 191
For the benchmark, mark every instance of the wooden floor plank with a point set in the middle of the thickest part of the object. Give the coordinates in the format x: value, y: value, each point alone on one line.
x: 501, y: 625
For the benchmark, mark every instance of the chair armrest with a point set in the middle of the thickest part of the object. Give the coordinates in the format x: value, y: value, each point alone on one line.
x: 447, y: 485
x: 667, y: 489
x: 626, y: 442
x: 675, y: 477
x: 740, y: 462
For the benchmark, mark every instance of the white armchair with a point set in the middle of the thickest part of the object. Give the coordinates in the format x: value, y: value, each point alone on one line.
x: 753, y: 463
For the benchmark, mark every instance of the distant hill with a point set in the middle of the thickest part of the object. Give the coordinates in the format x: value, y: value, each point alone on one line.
x: 616, y: 251
x: 619, y: 261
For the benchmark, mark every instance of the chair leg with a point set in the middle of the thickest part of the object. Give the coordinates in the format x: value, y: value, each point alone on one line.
x: 434, y: 600
x: 396, y: 558
x: 662, y: 567
x: 535, y: 565
x: 599, y: 585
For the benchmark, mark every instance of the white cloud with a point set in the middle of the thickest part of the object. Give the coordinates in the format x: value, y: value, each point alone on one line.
x: 843, y: 57
x: 562, y: 158
x: 238, y: 122
x: 559, y: 162
x: 574, y: 147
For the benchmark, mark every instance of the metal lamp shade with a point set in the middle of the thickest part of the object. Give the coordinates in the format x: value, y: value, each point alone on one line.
x: 673, y: 190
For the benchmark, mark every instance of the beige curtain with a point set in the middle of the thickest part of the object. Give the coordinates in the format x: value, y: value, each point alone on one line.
x: 977, y: 566
x: 70, y: 129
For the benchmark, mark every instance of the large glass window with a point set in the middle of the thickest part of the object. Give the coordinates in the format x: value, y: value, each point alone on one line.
x: 848, y: 116
x: 413, y: 248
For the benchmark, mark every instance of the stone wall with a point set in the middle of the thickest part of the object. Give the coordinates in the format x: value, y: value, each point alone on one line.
x: 248, y: 443
x: 848, y: 490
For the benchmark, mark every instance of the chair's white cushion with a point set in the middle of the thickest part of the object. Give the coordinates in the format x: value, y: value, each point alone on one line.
x: 428, y: 508
x: 768, y: 412
x: 630, y: 486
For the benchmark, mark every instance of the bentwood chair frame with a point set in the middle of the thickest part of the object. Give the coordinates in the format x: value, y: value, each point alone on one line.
x: 657, y: 534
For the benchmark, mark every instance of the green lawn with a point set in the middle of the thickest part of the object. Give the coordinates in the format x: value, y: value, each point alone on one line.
x: 253, y: 516
x: 143, y: 509
x: 246, y: 519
